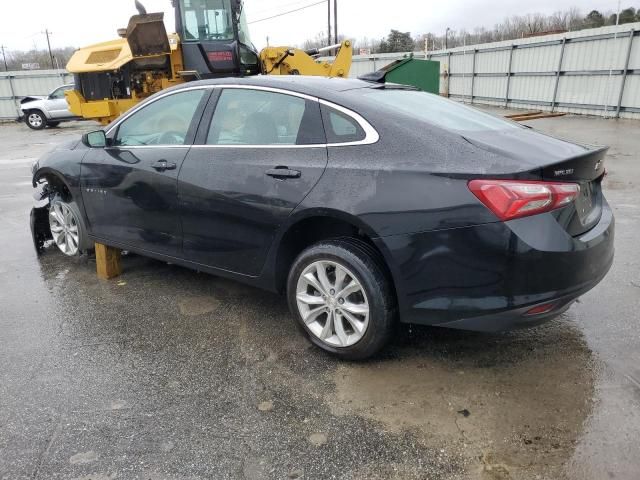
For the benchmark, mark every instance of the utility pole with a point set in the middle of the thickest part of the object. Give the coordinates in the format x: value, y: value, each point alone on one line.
x: 335, y: 20
x: 328, y: 22
x: 47, y: 33
x: 4, y: 58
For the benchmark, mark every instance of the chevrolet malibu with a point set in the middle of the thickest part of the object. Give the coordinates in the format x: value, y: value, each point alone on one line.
x: 366, y: 204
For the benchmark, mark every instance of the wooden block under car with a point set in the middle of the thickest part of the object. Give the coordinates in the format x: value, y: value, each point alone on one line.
x: 107, y: 262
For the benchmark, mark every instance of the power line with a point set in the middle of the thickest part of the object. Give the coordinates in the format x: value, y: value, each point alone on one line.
x: 290, y: 11
x: 262, y: 11
x: 335, y: 20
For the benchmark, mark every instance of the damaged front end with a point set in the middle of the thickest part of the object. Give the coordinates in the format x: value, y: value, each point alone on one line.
x: 40, y: 229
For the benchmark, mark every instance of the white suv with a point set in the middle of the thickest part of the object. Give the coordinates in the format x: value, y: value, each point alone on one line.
x: 40, y: 112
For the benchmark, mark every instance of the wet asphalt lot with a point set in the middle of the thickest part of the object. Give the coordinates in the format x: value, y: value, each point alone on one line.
x: 165, y: 373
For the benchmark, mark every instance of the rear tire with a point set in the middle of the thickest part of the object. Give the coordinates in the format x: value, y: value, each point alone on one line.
x: 349, y: 310
x: 35, y: 120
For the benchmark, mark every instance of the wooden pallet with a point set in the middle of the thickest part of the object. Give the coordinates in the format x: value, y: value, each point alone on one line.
x: 523, y: 117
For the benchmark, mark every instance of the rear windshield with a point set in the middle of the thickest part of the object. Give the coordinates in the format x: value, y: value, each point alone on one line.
x: 437, y: 110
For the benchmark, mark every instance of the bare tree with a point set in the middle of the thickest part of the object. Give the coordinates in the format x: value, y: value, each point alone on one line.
x: 516, y: 26
x: 320, y: 40
x: 16, y: 58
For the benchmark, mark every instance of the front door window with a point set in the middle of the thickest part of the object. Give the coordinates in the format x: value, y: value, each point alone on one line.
x: 163, y: 122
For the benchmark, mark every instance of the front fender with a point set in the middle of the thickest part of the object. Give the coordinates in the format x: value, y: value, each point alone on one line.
x: 38, y: 105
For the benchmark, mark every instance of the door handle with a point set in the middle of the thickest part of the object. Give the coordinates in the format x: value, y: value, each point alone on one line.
x: 283, y: 172
x: 163, y: 166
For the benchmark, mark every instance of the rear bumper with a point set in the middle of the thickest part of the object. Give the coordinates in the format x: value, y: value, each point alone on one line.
x: 487, y: 277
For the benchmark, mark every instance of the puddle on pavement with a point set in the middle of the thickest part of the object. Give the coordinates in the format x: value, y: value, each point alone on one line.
x: 513, y: 405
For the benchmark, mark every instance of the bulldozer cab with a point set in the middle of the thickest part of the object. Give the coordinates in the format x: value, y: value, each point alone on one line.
x: 215, y: 38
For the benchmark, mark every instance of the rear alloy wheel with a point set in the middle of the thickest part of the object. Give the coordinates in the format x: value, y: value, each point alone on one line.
x: 332, y: 303
x: 67, y: 229
x: 342, y: 299
x: 36, y: 120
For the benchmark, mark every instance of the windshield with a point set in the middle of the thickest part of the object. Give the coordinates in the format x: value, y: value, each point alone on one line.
x: 211, y: 20
x: 437, y: 110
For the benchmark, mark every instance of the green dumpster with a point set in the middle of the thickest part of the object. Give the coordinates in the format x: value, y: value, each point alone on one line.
x: 422, y: 74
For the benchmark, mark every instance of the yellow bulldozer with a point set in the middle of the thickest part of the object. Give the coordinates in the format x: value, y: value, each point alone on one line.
x: 211, y: 41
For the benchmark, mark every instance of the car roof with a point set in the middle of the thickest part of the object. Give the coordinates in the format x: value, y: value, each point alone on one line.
x: 309, y: 85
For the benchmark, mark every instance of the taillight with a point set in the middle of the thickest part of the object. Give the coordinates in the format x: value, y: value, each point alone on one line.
x: 510, y: 199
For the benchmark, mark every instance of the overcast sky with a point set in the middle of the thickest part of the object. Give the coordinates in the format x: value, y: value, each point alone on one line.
x: 82, y: 22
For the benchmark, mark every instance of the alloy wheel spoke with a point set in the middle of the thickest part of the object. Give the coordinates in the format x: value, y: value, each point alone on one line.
x: 312, y: 315
x: 357, y: 325
x: 74, y: 239
x: 53, y: 215
x: 355, y: 308
x: 353, y: 287
x: 311, y: 280
x: 59, y: 213
x: 339, y: 328
x: 310, y: 299
x: 327, y: 330
x: 340, y: 276
x: 321, y: 272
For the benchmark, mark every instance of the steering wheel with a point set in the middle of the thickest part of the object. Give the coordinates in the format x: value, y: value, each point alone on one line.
x: 171, y: 138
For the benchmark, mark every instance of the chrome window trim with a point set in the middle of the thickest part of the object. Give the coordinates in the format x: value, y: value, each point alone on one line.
x: 267, y: 89
x: 371, y: 134
x: 278, y: 146
x: 135, y: 147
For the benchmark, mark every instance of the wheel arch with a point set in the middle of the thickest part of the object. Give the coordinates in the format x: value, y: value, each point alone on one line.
x: 42, y: 111
x: 313, y: 226
x: 55, y: 179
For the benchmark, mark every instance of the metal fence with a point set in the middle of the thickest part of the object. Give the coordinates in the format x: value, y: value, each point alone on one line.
x: 16, y: 85
x: 594, y: 71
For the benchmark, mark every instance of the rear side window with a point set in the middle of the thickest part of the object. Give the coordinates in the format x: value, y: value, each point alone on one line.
x: 436, y: 110
x: 257, y: 117
x: 341, y: 128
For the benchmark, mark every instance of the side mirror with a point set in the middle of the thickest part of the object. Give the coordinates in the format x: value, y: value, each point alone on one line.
x: 96, y: 139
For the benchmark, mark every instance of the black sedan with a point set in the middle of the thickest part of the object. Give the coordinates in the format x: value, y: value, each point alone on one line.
x: 365, y: 203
